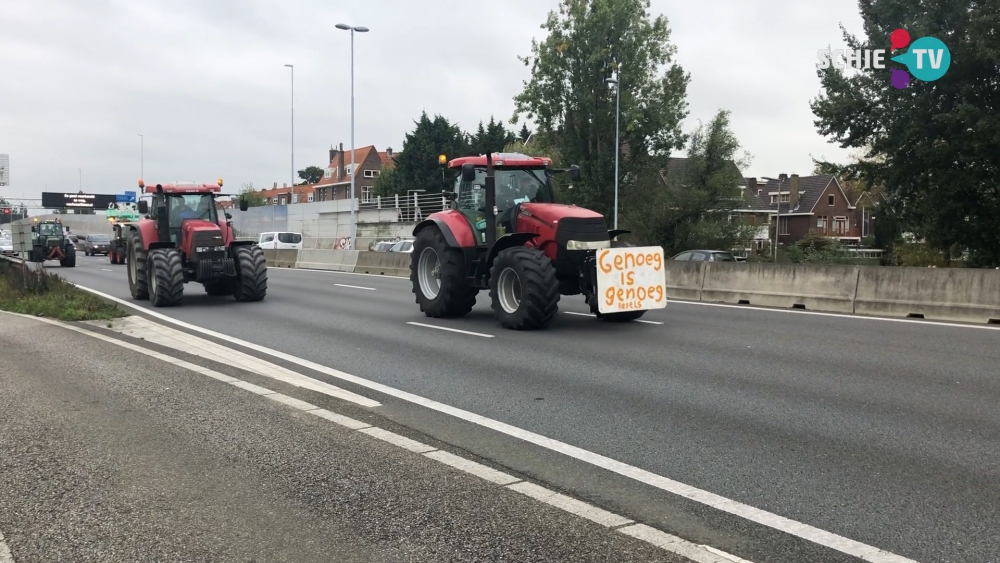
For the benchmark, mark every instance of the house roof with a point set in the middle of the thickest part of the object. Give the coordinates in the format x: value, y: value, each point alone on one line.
x: 360, y: 155
x: 811, y: 188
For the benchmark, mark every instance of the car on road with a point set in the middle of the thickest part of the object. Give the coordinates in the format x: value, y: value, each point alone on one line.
x: 6, y: 244
x: 705, y: 256
x: 405, y: 246
x: 280, y: 241
x: 382, y: 246
x: 97, y: 244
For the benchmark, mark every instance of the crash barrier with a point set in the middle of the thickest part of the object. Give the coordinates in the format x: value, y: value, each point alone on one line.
x: 943, y: 294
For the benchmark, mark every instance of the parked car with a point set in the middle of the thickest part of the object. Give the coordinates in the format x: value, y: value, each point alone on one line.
x: 383, y: 246
x: 280, y: 240
x: 6, y: 244
x: 97, y: 244
x: 402, y: 246
x: 704, y: 256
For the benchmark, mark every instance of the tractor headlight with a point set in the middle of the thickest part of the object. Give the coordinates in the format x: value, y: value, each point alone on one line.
x: 587, y: 245
x: 201, y: 249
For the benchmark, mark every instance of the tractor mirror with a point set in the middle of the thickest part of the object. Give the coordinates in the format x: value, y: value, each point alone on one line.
x: 468, y: 172
x: 143, y: 207
x: 244, y: 205
x: 574, y: 172
x: 228, y: 216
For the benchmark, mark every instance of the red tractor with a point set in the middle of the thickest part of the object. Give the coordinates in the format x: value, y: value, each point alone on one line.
x: 505, y: 233
x: 184, y: 240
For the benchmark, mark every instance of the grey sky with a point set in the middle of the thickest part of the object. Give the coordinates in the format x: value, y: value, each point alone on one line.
x: 204, y: 81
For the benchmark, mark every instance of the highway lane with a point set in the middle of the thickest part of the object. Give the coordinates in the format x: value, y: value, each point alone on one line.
x: 883, y: 432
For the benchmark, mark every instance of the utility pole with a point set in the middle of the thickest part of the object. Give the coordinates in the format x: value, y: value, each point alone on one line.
x: 293, y: 128
x: 618, y: 146
x: 354, y: 221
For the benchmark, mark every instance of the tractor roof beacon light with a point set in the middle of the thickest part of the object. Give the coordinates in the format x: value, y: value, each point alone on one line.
x: 442, y: 159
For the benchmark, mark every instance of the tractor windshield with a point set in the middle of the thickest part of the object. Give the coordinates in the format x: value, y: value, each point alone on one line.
x: 191, y: 206
x: 49, y: 229
x: 518, y: 185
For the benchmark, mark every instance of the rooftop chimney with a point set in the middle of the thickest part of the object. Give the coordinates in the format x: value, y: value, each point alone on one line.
x: 794, y: 192
x: 284, y: 184
x: 275, y: 186
x: 388, y: 152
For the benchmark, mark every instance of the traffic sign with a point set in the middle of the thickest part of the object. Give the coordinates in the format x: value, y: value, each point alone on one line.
x: 127, y: 197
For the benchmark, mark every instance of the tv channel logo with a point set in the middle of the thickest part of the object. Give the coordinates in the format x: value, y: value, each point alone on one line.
x: 927, y: 59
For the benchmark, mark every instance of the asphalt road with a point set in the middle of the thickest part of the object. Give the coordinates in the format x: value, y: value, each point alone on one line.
x: 115, y: 456
x: 887, y: 433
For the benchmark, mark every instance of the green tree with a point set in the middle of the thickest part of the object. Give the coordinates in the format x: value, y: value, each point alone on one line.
x: 493, y: 137
x: 524, y: 134
x: 691, y: 204
x: 253, y: 197
x: 387, y: 182
x: 311, y: 174
x: 417, y: 166
x: 568, y: 97
x: 938, y: 143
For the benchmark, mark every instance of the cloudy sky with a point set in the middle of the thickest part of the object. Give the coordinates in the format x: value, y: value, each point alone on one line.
x: 204, y: 81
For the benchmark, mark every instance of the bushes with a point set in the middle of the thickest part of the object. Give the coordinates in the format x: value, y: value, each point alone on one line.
x: 43, y: 294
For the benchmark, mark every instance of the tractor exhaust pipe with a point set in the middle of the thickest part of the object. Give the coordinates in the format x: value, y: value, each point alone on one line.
x: 162, y: 221
x: 491, y: 203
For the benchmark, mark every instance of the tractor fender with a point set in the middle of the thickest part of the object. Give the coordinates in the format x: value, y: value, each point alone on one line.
x: 612, y: 233
x: 158, y: 244
x: 507, y: 241
x: 453, y: 225
x: 236, y: 243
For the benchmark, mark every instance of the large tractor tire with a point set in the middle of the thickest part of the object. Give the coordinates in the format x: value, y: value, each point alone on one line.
x: 166, y: 277
x: 437, y: 272
x: 524, y: 288
x: 138, y: 267
x: 624, y: 316
x: 251, y: 274
x: 69, y: 261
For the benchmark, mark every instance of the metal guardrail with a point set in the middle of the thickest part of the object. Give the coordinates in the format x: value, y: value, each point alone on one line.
x: 414, y: 206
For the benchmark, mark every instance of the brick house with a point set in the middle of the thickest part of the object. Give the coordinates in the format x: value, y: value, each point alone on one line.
x: 809, y: 204
x: 336, y: 181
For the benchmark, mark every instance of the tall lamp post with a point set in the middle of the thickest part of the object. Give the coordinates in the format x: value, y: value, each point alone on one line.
x: 354, y: 222
x: 293, y: 129
x: 142, y: 157
x: 618, y: 146
x: 777, y: 213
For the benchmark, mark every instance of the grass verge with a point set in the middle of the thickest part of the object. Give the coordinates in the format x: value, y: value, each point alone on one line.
x: 43, y: 294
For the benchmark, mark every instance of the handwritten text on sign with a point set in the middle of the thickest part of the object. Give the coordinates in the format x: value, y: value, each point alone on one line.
x: 631, y: 279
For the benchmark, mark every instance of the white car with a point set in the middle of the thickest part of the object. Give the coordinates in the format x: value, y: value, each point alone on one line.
x: 280, y: 241
x: 6, y: 245
x: 402, y: 246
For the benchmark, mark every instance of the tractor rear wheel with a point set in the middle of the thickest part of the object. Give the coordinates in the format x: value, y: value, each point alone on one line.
x: 524, y: 288
x: 622, y: 317
x: 70, y: 260
x: 437, y: 272
x: 138, y: 267
x: 166, y: 282
x: 251, y: 274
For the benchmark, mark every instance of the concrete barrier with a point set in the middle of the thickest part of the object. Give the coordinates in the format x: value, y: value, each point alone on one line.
x: 335, y: 260
x: 269, y: 255
x: 801, y: 286
x: 685, y: 280
x: 285, y: 258
x: 941, y: 294
x: 383, y: 263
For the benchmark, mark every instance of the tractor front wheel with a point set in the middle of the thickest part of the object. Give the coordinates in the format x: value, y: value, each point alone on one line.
x: 251, y: 274
x: 69, y: 260
x: 438, y: 277
x: 166, y: 287
x: 524, y: 288
x: 138, y: 267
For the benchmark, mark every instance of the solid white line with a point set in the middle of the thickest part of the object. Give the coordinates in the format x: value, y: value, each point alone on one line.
x: 648, y: 322
x: 354, y: 286
x: 451, y: 329
x: 5, y: 556
x: 292, y: 402
x: 397, y: 440
x: 340, y: 419
x: 251, y: 387
x: 106, y: 270
x: 469, y: 466
x: 675, y: 544
x: 917, y: 322
x: 571, y: 505
x: 798, y: 529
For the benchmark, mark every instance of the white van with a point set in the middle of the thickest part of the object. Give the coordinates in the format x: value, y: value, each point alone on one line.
x: 280, y: 241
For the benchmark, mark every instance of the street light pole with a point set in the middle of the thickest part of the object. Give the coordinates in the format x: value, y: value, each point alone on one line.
x: 618, y: 145
x: 142, y: 157
x: 354, y: 222
x: 293, y: 128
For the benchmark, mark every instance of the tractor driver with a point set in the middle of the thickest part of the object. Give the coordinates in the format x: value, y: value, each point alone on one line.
x: 518, y: 188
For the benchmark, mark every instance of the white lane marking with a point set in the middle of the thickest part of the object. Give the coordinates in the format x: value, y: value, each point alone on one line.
x: 340, y: 419
x: 139, y: 327
x: 354, y: 286
x: 839, y: 315
x: 251, y: 387
x: 593, y: 315
x: 5, y: 556
x: 397, y: 440
x: 571, y: 505
x: 106, y: 270
x: 451, y: 329
x: 292, y: 402
x: 469, y: 466
x: 382, y: 276
x: 719, y: 502
x: 648, y: 322
x: 677, y: 545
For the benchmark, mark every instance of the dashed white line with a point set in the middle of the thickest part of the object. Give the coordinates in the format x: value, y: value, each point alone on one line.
x: 354, y: 286
x: 571, y: 505
x: 5, y: 556
x: 648, y: 322
x: 451, y: 329
x: 718, y: 502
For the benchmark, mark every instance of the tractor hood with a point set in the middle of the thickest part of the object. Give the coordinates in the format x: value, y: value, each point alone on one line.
x: 552, y: 212
x: 190, y: 226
